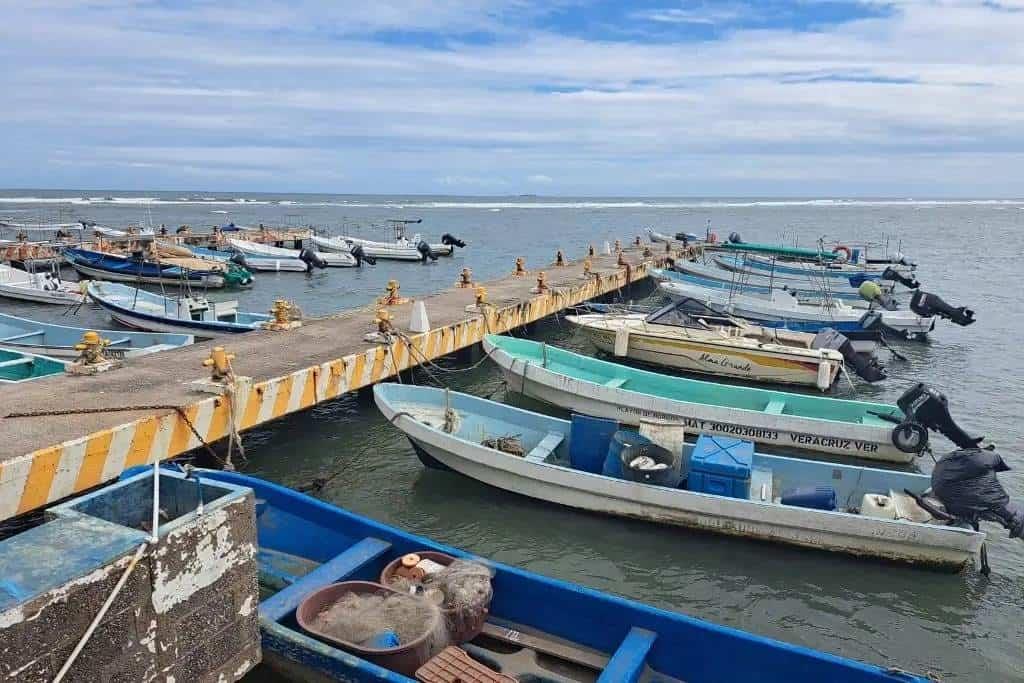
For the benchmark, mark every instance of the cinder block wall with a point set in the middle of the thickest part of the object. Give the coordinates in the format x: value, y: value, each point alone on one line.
x: 187, y: 613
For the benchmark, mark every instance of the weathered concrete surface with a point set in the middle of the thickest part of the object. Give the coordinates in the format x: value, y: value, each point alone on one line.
x: 187, y: 612
x: 48, y: 457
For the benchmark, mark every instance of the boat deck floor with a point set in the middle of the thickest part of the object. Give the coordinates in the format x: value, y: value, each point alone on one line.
x: 64, y: 408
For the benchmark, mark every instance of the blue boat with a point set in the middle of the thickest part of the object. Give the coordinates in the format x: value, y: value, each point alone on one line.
x: 103, y: 266
x: 855, y: 275
x: 802, y: 293
x: 17, y: 366
x: 22, y: 334
x: 306, y: 544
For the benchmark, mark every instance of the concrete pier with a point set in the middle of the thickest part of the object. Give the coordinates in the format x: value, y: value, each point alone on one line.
x: 65, y: 434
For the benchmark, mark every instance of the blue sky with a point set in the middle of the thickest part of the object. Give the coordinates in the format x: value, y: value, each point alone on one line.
x: 802, y: 97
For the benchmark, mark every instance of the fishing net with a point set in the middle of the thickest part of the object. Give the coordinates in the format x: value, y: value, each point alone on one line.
x: 511, y: 444
x: 361, y: 619
x: 462, y: 589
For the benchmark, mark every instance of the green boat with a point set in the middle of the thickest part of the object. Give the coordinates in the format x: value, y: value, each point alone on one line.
x: 594, y: 387
x: 16, y: 366
x: 773, y: 250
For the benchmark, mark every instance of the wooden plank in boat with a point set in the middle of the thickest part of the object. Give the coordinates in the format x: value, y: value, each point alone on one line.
x: 525, y: 636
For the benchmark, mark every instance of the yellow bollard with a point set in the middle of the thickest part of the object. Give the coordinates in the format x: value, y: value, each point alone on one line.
x: 219, y: 363
x: 92, y: 348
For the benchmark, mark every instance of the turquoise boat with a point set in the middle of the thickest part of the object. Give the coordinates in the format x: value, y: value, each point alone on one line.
x: 775, y: 250
x: 16, y: 366
x: 58, y: 341
x: 780, y: 419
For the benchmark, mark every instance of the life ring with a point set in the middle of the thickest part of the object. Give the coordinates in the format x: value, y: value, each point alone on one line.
x: 712, y: 237
x: 843, y: 250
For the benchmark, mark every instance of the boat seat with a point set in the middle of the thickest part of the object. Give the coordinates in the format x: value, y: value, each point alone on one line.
x: 16, y: 361
x: 546, y: 447
x: 775, y: 406
x: 628, y: 662
x: 338, y: 568
x: 616, y: 382
x: 23, y: 335
x: 279, y: 569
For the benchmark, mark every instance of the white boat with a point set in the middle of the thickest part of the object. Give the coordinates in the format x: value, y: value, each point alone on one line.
x: 114, y: 233
x: 806, y: 287
x: 403, y: 249
x: 661, y: 237
x: 197, y: 316
x: 332, y: 259
x: 58, y: 341
x: 742, y: 351
x: 449, y: 428
x: 41, y: 288
x: 272, y: 264
x: 782, y: 306
x: 590, y: 386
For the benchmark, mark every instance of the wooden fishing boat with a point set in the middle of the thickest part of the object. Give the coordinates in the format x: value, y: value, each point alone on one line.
x: 118, y: 268
x: 197, y: 316
x: 18, y: 366
x: 675, y: 340
x: 779, y: 419
x: 330, y: 259
x: 780, y: 305
x: 548, y: 471
x: 40, y: 287
x: 537, y: 628
x: 58, y: 341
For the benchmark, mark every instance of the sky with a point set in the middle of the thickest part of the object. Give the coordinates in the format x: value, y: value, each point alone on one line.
x: 908, y: 98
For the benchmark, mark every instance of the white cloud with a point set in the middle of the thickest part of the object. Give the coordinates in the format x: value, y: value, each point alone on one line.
x: 925, y: 96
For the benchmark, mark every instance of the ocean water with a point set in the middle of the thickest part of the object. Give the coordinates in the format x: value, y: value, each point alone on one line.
x: 960, y: 627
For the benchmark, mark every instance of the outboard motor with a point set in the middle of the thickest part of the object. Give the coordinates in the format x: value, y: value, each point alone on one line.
x: 683, y: 237
x: 734, y: 237
x: 872, y: 320
x: 927, y: 305
x: 894, y: 275
x: 866, y: 365
x: 238, y: 258
x: 966, y: 482
x: 360, y: 256
x: 925, y: 408
x: 452, y: 240
x: 872, y: 293
x: 425, y: 251
x: 311, y: 259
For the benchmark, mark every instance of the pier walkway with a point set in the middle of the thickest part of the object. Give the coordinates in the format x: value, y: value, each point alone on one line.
x: 64, y: 434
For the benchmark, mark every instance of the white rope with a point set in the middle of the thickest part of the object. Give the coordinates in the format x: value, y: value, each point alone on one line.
x: 99, y: 616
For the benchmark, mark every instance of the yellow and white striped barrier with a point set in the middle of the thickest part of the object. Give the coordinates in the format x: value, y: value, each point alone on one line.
x: 55, y: 472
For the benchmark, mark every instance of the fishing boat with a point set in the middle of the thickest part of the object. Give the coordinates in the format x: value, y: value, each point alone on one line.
x: 781, y: 305
x: 536, y: 628
x: 558, y: 465
x: 328, y: 259
x: 58, y: 341
x: 274, y: 264
x: 676, y: 239
x: 594, y: 387
x: 197, y: 316
x: 18, y: 366
x: 38, y: 287
x: 740, y: 286
x: 805, y: 269
x: 806, y: 287
x: 138, y: 269
x: 670, y: 337
x: 403, y: 249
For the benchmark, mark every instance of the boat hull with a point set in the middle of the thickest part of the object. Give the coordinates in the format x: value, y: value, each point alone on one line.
x: 870, y: 442
x: 210, y: 280
x: 719, y: 359
x: 40, y: 296
x: 935, y: 546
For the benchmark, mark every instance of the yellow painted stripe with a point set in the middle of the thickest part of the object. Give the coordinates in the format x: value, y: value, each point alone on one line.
x: 219, y: 419
x: 378, y: 364
x: 309, y: 389
x: 252, y: 406
x: 40, y: 478
x: 142, y: 441
x: 337, y: 383
x: 357, y: 371
x: 91, y: 469
x: 284, y: 394
x: 182, y: 433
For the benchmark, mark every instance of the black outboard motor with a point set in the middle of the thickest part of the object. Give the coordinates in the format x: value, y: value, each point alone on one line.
x: 360, y: 256
x: 238, y: 258
x: 425, y: 251
x: 866, y: 365
x: 894, y: 275
x: 311, y: 259
x: 926, y: 305
x: 872, y: 320
x: 929, y: 409
x: 735, y: 238
x: 452, y: 240
x: 683, y: 237
x: 966, y: 483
